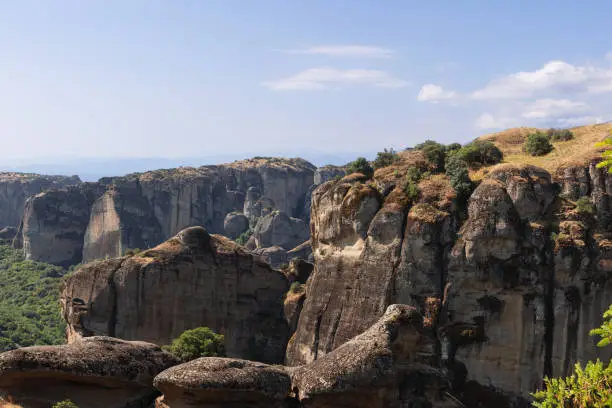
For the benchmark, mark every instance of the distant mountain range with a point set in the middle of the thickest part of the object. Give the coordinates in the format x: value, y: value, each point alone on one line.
x: 93, y: 168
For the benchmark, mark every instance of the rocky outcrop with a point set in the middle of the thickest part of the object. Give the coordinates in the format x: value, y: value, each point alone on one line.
x: 223, y: 383
x: 192, y: 280
x: 376, y: 369
x: 278, y: 229
x: 54, y: 223
x: 328, y: 173
x: 235, y: 224
x: 141, y: 210
x: 507, y: 297
x: 15, y: 188
x: 97, y: 372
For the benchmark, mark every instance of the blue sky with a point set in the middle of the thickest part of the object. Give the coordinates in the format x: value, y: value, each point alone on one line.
x: 204, y: 78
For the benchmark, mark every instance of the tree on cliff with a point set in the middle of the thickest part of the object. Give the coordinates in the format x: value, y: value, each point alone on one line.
x: 588, y: 387
x: 196, y: 343
x: 607, y: 155
x: 360, y: 165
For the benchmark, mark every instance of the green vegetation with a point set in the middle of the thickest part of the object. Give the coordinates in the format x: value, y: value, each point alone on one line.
x: 560, y: 135
x: 588, y: 387
x: 244, y: 237
x: 411, y: 189
x: 606, y: 155
x: 585, y: 206
x: 132, y: 251
x: 296, y: 287
x: 385, y: 158
x: 65, y: 404
x: 29, y: 302
x: 196, y: 343
x: 434, y: 152
x: 458, y: 174
x: 360, y: 165
x: 479, y: 153
x: 537, y: 144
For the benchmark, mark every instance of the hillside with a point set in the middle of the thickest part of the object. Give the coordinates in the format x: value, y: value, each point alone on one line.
x: 577, y: 151
x: 29, y: 301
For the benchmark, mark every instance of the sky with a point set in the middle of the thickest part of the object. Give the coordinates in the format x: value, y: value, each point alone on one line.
x: 320, y: 79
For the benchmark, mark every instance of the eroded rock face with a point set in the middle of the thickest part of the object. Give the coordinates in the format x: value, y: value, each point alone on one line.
x: 141, y: 210
x: 235, y: 224
x: 15, y: 188
x: 504, y: 299
x: 192, y: 280
x: 278, y: 229
x: 96, y: 372
x: 54, y: 223
x: 223, y: 383
x: 376, y: 369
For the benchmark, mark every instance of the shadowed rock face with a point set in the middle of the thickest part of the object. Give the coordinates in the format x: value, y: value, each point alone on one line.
x: 503, y: 296
x: 54, y: 224
x: 223, y: 383
x: 15, y: 188
x: 97, y: 372
x: 192, y: 280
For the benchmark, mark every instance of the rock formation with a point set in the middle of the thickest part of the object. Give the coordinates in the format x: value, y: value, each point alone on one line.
x: 141, y: 210
x: 508, y: 296
x: 54, y: 223
x: 223, y: 383
x: 192, y: 280
x: 96, y: 372
x: 15, y: 188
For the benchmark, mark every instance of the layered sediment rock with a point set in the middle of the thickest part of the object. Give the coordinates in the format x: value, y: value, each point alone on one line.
x: 15, y: 188
x: 97, y: 372
x: 192, y: 280
x: 508, y: 298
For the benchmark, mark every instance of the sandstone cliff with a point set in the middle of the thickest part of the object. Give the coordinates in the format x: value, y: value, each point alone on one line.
x: 141, y: 210
x: 15, y: 188
x: 192, y: 280
x: 508, y: 295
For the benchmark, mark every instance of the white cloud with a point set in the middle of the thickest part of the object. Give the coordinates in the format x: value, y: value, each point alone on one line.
x: 326, y: 78
x: 553, y: 108
x: 488, y: 121
x: 434, y: 93
x: 579, y: 120
x: 555, y: 77
x: 355, y: 51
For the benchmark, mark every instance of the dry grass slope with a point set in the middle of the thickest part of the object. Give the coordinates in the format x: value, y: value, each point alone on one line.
x: 577, y: 151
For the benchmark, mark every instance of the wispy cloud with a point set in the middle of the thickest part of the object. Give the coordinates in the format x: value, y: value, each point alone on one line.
x: 488, y: 121
x: 327, y: 78
x: 434, y: 93
x: 353, y: 51
x: 553, y: 108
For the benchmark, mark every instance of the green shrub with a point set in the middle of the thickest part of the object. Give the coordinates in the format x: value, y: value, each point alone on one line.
x: 385, y: 158
x: 244, y: 237
x: 458, y: 174
x: 585, y: 206
x: 588, y: 387
x: 453, y: 147
x: 414, y: 174
x: 196, y: 343
x: 537, y: 144
x: 132, y: 251
x: 295, y: 287
x: 412, y: 191
x: 65, y: 404
x: 479, y: 153
x: 434, y: 152
x: 560, y: 135
x: 360, y: 165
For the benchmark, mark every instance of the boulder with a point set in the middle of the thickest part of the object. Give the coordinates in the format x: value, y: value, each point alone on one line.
x: 192, y: 280
x: 96, y: 372
x: 223, y: 383
x: 376, y: 369
x: 278, y: 229
x: 235, y: 224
